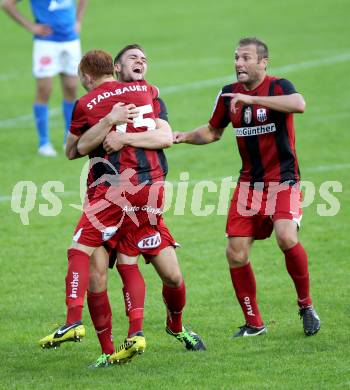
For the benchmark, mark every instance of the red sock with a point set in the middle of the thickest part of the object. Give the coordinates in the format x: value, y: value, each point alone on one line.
x: 101, y: 316
x: 77, y: 280
x: 134, y: 291
x: 175, y: 300
x: 243, y: 281
x: 297, y: 267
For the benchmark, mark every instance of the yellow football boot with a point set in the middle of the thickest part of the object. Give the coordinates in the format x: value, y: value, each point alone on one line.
x: 131, y: 347
x: 74, y: 332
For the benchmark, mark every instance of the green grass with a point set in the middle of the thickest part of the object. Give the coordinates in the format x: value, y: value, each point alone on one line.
x: 186, y: 42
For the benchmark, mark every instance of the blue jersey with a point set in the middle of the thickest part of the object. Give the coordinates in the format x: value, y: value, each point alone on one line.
x: 60, y: 15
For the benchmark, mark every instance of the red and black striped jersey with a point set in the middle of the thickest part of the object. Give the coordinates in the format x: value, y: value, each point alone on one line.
x: 265, y: 137
x: 150, y: 165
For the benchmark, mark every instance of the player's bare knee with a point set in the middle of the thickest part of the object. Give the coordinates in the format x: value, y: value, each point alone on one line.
x: 237, y: 262
x: 70, y: 93
x: 69, y: 88
x: 80, y: 247
x: 173, y: 280
x: 236, y: 257
x: 285, y: 240
x: 97, y: 281
x: 43, y: 94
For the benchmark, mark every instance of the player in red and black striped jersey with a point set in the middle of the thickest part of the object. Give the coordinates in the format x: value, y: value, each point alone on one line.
x: 265, y: 137
x: 267, y: 197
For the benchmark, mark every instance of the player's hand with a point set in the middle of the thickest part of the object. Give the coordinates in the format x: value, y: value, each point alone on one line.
x: 113, y: 142
x: 122, y: 113
x: 42, y: 30
x: 239, y: 98
x: 178, y: 137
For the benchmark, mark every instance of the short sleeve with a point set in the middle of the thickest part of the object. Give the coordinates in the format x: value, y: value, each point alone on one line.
x: 160, y: 110
x: 154, y: 92
x: 79, y: 121
x: 286, y: 86
x: 220, y: 117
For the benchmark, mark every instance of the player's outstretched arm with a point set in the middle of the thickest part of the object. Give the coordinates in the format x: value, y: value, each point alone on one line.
x: 37, y: 29
x: 200, y: 136
x: 160, y: 138
x: 293, y: 103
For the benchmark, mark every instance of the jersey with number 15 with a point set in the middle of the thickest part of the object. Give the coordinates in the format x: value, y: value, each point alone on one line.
x: 150, y: 165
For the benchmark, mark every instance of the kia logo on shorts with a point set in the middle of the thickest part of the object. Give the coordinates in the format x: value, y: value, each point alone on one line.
x: 150, y: 242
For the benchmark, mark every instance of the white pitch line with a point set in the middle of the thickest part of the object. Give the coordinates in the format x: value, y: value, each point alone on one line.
x: 26, y: 118
x: 7, y: 198
x: 282, y: 69
x: 7, y: 76
x: 204, y: 84
x: 175, y: 183
x: 187, y: 62
x: 326, y: 168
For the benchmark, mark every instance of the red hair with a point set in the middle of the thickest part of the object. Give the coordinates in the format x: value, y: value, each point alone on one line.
x: 97, y: 63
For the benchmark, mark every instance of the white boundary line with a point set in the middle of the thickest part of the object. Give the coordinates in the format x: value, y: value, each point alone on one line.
x: 7, y: 76
x: 26, y: 118
x: 282, y: 69
x: 203, y: 84
x: 326, y: 168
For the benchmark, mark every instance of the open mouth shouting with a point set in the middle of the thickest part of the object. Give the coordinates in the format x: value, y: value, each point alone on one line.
x: 241, y: 73
x: 138, y: 70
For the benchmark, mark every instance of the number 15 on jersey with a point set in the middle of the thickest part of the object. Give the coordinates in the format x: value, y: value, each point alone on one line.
x: 140, y: 121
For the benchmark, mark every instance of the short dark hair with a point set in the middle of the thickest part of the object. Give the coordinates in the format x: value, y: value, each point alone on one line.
x: 126, y: 48
x: 261, y: 47
x: 97, y: 63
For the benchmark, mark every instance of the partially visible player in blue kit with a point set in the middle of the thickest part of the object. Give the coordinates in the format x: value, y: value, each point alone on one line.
x: 56, y: 50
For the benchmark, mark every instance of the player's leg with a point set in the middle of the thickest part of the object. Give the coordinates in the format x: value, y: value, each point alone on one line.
x: 87, y: 237
x: 43, y: 90
x: 98, y: 303
x: 286, y: 220
x: 69, y: 60
x: 297, y: 266
x: 244, y: 224
x: 174, y: 295
x: 99, y: 306
x: 96, y: 225
x: 134, y: 292
x: 243, y: 281
x: 77, y: 281
x: 174, y: 290
x: 44, y: 68
x: 41, y: 115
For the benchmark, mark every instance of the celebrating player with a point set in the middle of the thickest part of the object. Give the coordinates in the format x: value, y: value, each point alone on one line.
x: 125, y: 198
x: 56, y: 50
x: 267, y: 197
